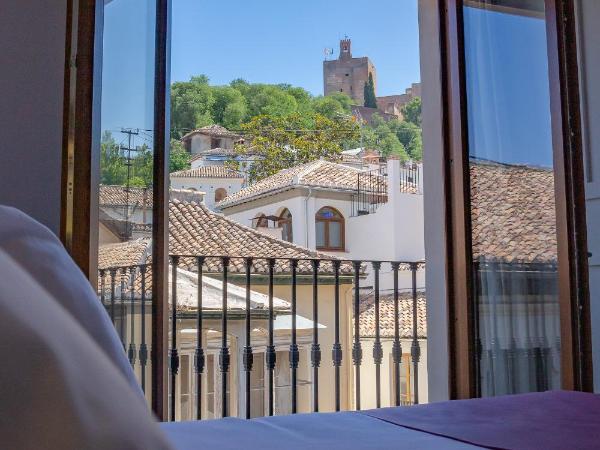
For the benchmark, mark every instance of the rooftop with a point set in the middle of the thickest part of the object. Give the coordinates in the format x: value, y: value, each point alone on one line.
x: 196, y: 230
x: 208, y: 172
x: 506, y: 228
x: 366, y: 320
x: 213, y: 131
x: 315, y: 174
x: 114, y: 195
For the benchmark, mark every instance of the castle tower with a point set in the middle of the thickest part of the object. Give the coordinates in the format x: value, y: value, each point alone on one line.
x: 345, y: 49
x: 346, y: 74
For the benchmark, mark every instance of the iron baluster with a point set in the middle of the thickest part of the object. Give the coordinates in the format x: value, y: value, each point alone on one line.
x: 248, y: 357
x: 356, y: 348
x: 377, y: 348
x: 131, y: 351
x: 143, y: 347
x: 415, y: 349
x: 199, y: 359
x: 224, y: 357
x: 315, y: 354
x: 174, y: 354
x: 122, y: 307
x: 336, y: 353
x: 271, y: 355
x: 397, y: 347
x: 294, y: 352
x: 112, y: 273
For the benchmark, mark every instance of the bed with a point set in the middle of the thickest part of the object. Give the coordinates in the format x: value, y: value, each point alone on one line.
x: 66, y: 384
x: 549, y: 420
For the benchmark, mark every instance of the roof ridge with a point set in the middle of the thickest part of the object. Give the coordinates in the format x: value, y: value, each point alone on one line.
x: 310, y: 166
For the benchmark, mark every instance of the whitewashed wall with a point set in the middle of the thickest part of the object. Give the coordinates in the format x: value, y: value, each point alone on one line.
x: 207, y: 185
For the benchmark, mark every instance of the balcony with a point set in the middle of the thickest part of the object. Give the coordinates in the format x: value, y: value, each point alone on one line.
x: 254, y: 337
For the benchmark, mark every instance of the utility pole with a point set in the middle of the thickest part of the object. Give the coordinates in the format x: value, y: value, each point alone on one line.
x: 131, y: 133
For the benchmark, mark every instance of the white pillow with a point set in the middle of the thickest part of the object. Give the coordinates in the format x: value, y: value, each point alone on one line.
x: 39, y: 252
x: 58, y: 389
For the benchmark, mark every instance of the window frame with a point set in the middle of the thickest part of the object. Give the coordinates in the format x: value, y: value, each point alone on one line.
x: 288, y: 220
x: 570, y: 200
x: 339, y: 219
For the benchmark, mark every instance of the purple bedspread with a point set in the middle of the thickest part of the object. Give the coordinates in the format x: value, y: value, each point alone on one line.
x: 549, y: 420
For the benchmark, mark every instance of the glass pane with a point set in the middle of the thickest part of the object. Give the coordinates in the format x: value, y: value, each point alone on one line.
x: 126, y: 166
x: 512, y: 197
x: 320, y: 234
x: 335, y: 234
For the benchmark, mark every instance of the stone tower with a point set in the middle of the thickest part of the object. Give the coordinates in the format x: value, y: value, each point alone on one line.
x: 347, y: 74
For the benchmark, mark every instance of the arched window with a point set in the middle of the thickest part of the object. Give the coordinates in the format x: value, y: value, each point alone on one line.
x: 330, y: 229
x: 285, y: 223
x: 220, y: 194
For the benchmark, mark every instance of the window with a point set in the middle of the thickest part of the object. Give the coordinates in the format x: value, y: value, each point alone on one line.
x: 220, y: 194
x: 406, y: 381
x: 285, y: 223
x: 514, y: 262
x: 215, y: 143
x: 330, y: 229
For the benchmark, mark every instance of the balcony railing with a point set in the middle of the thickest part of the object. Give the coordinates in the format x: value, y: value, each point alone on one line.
x: 273, y: 306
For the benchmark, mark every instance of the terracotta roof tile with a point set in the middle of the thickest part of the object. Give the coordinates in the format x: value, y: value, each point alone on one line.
x: 213, y: 131
x: 112, y: 195
x: 318, y: 173
x: 513, y: 213
x: 195, y: 230
x: 129, y: 253
x: 386, y: 315
x: 208, y: 172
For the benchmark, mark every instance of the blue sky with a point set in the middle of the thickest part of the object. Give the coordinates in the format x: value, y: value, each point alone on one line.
x: 261, y: 41
x: 276, y: 41
x: 507, y: 88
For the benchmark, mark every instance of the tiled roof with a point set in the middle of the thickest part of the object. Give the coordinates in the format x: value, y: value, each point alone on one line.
x: 208, y: 172
x: 320, y: 173
x: 111, y: 195
x: 129, y: 253
x: 213, y: 152
x: 214, y: 131
x: 366, y: 320
x: 195, y: 230
x: 513, y: 213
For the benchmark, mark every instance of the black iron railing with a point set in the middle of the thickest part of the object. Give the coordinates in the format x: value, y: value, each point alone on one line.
x: 126, y: 293
x: 373, y: 187
x: 371, y: 191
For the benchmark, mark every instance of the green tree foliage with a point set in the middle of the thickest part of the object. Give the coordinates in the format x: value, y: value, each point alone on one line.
x: 281, y: 142
x: 113, y: 164
x: 412, y: 111
x: 238, y: 106
x: 369, y: 93
x: 179, y: 158
x: 333, y: 106
x: 191, y: 105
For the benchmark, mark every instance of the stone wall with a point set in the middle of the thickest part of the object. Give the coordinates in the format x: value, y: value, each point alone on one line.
x: 348, y: 76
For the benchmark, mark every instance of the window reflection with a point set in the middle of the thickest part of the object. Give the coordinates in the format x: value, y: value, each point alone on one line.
x: 512, y: 197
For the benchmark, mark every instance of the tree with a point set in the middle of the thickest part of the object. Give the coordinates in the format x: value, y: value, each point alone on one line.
x: 369, y: 93
x: 113, y: 164
x: 113, y: 170
x: 412, y: 111
x: 191, y: 105
x: 179, y: 158
x: 230, y: 107
x: 333, y: 106
x: 286, y: 141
